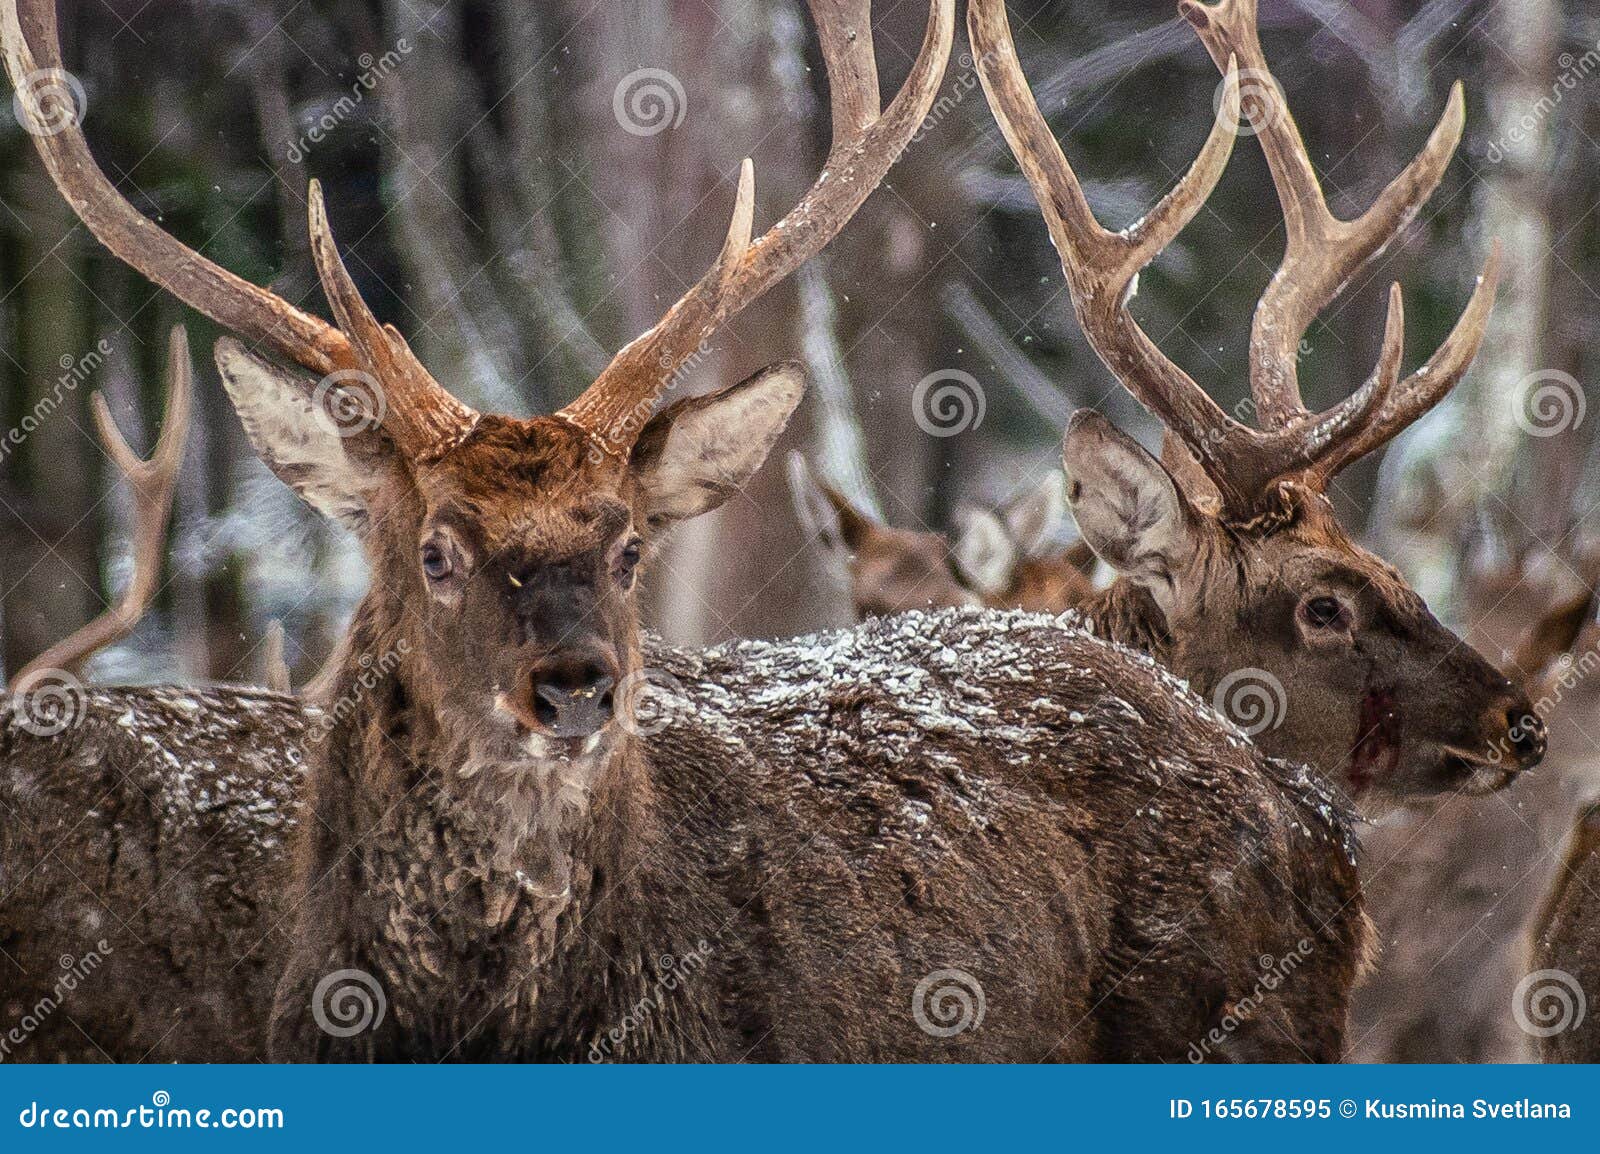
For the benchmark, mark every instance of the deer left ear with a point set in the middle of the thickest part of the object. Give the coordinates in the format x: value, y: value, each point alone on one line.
x: 1127, y: 506
x: 697, y: 453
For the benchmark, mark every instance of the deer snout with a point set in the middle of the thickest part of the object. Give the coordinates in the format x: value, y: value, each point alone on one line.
x: 1525, y: 733
x: 571, y: 696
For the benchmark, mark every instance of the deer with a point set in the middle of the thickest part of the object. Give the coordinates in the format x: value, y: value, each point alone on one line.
x: 1232, y: 568
x: 1003, y: 559
x: 102, y: 839
x: 508, y: 866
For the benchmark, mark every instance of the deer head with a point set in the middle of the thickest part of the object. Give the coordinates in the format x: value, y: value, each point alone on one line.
x: 1228, y: 549
x: 504, y: 551
x: 1005, y: 559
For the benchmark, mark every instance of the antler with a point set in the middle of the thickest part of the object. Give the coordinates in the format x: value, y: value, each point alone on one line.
x: 418, y: 413
x: 867, y: 140
x: 1101, y: 268
x: 153, y: 483
x: 1323, y: 253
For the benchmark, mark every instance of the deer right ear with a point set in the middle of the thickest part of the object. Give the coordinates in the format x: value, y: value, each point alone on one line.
x: 1126, y: 505
x: 984, y: 554
x: 297, y: 439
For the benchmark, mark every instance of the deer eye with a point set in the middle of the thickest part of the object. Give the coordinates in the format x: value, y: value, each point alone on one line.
x: 627, y: 561
x: 435, y: 561
x: 1325, y: 613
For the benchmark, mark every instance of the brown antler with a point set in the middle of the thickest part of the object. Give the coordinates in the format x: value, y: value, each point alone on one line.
x: 867, y: 140
x: 1101, y: 266
x: 416, y: 411
x: 153, y: 483
x: 1323, y: 253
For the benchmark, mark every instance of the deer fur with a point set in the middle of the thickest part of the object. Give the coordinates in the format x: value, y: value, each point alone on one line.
x: 834, y: 838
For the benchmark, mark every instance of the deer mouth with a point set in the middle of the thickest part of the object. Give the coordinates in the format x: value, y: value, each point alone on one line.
x: 1474, y: 774
x: 1377, y: 748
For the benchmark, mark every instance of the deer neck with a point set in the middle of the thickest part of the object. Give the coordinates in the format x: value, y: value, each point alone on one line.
x: 443, y: 811
x: 1125, y: 612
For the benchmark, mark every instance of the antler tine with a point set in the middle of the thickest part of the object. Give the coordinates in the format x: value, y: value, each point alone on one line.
x: 33, y: 61
x: 866, y: 143
x: 415, y: 410
x: 1428, y: 385
x: 153, y: 483
x: 1322, y: 252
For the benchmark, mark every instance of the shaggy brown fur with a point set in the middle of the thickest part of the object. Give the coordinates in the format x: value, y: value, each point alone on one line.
x: 834, y: 839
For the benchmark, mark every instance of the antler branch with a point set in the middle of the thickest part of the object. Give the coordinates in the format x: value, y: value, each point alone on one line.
x: 153, y: 483
x: 1101, y: 267
x: 418, y: 413
x: 866, y: 143
x: 1323, y: 253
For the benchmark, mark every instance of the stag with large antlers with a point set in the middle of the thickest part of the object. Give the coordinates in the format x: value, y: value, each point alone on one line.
x: 493, y: 844
x: 1229, y: 555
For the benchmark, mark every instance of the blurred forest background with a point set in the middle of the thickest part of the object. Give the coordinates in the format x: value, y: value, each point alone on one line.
x: 506, y: 200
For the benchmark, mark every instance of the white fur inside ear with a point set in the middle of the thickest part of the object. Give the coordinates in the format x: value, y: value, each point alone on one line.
x: 704, y: 450
x: 1038, y: 517
x: 984, y: 553
x: 294, y: 436
x: 1125, y: 503
x: 816, y: 514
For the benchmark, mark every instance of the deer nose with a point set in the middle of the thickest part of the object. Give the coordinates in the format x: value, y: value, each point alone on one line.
x: 573, y: 698
x: 1525, y: 728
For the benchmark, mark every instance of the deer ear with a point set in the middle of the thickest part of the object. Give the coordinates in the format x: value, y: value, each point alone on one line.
x: 1038, y: 516
x: 334, y: 471
x: 1126, y: 505
x: 984, y: 554
x: 697, y: 453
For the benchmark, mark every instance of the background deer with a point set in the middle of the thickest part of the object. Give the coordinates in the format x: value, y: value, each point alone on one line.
x: 1010, y: 558
x: 1230, y: 559
x: 507, y: 859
